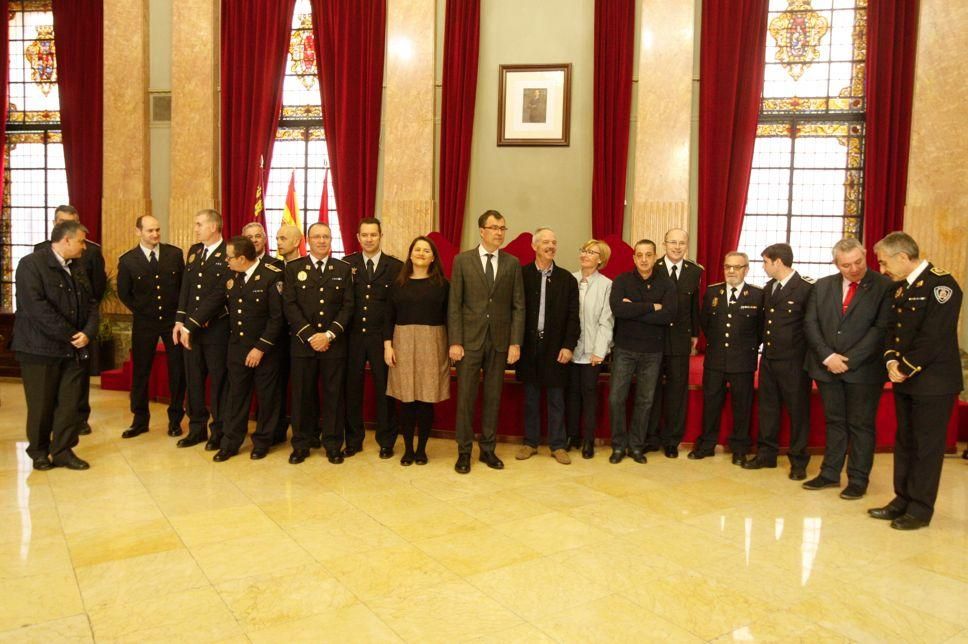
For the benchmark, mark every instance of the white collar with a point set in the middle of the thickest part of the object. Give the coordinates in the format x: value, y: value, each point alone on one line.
x: 147, y: 251
x: 483, y: 252
x: 669, y: 264
x: 375, y: 258
x: 786, y: 279
x: 316, y: 261
x: 739, y: 289
x: 248, y: 272
x: 211, y: 249
x: 916, y: 273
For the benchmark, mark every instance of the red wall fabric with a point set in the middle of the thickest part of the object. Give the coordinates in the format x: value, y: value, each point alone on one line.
x: 462, y: 26
x: 78, y: 28
x: 4, y: 77
x: 255, y: 37
x: 892, y: 37
x: 350, y: 41
x: 614, y: 45
x: 732, y: 58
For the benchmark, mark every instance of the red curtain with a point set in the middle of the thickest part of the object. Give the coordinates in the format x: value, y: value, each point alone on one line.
x: 4, y: 56
x: 79, y: 49
x: 732, y: 57
x: 614, y: 44
x: 892, y: 36
x: 255, y: 38
x: 350, y: 41
x: 462, y: 26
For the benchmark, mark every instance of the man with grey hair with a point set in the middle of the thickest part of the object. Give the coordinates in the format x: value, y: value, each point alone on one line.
x: 847, y: 316
x: 924, y: 363
x: 255, y: 233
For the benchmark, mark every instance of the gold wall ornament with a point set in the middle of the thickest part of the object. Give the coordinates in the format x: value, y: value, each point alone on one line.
x: 798, y: 32
x: 43, y: 63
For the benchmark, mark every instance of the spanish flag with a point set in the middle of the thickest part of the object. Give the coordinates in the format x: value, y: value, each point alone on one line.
x: 290, y: 212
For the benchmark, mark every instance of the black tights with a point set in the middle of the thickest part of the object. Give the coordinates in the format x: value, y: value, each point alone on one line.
x: 420, y: 415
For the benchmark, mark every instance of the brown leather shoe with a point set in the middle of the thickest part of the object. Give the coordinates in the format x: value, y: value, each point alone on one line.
x: 525, y: 452
x: 561, y: 456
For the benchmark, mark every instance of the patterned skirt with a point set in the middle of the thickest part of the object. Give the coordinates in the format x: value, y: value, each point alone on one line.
x: 423, y: 367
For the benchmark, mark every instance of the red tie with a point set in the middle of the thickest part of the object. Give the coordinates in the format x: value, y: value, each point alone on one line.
x: 851, y: 290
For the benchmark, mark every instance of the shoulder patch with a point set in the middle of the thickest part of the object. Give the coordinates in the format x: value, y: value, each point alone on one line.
x: 808, y: 280
x: 716, y: 284
x: 272, y: 267
x: 340, y: 260
x: 939, y: 271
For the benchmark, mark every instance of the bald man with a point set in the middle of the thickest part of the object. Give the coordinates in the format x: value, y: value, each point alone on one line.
x: 288, y: 239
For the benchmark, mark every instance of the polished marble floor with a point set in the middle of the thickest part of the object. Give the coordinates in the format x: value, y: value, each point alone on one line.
x: 158, y: 543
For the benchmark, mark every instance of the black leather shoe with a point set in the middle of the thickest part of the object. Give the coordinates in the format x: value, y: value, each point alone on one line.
x: 131, y: 432
x: 420, y: 458
x: 908, y: 522
x: 298, y: 456
x: 491, y: 460
x: 672, y: 452
x: 386, y: 452
x: 617, y: 456
x: 698, y: 455
x: 853, y: 491
x: 350, y: 451
x: 819, y: 483
x: 223, y: 455
x: 84, y: 430
x: 887, y: 513
x: 799, y: 473
x: 174, y: 429
x: 463, y: 465
x: 71, y: 462
x: 43, y: 464
x: 190, y: 441
x: 588, y: 449
x: 738, y: 459
x: 213, y: 443
x: 638, y: 456
x: 759, y: 464
x: 334, y: 457
x: 259, y: 453
x: 407, y: 459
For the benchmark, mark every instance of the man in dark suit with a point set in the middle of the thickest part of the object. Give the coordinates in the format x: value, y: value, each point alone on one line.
x: 672, y: 389
x: 485, y: 325
x: 924, y: 363
x: 783, y: 380
x: 149, y: 283
x: 551, y: 331
x: 57, y: 316
x: 847, y: 316
x: 253, y: 295
x: 204, y: 273
x: 373, y: 272
x: 731, y: 319
x: 318, y: 303
x: 91, y: 263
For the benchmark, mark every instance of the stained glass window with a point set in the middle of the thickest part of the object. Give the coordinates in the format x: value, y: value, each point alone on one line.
x: 300, y: 144
x: 34, y: 179
x: 806, y: 187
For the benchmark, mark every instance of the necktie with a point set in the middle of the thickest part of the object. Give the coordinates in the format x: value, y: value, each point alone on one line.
x: 732, y: 296
x: 675, y: 273
x: 369, y: 270
x: 851, y: 291
x: 242, y: 277
x: 153, y: 262
x: 775, y: 291
x: 489, y: 272
x: 319, y: 267
x: 204, y: 254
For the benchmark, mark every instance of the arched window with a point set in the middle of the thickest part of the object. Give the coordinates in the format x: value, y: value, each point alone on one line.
x: 34, y: 179
x: 300, y: 144
x: 806, y: 187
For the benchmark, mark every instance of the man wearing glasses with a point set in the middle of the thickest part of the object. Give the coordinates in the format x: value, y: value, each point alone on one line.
x: 731, y: 320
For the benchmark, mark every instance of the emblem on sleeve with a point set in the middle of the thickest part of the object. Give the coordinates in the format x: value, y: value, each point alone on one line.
x: 302, y: 276
x: 191, y: 258
x: 229, y: 284
x: 942, y: 293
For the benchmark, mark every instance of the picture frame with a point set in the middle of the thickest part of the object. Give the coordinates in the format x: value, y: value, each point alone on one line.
x: 534, y: 105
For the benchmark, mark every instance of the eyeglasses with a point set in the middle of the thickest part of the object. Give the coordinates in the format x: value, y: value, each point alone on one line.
x: 496, y: 228
x: 734, y: 267
x: 588, y: 251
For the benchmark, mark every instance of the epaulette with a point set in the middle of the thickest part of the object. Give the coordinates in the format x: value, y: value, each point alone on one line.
x: 716, y: 284
x: 939, y: 271
x: 130, y: 250
x: 272, y: 267
x: 340, y: 260
x: 808, y: 280
x: 696, y: 264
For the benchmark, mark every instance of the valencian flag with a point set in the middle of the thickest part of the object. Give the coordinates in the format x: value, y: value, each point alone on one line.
x: 258, y: 211
x: 290, y: 212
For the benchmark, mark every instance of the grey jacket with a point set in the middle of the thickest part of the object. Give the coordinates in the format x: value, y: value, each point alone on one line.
x: 596, y: 318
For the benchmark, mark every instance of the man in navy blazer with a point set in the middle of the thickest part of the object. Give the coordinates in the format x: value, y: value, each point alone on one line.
x: 847, y: 315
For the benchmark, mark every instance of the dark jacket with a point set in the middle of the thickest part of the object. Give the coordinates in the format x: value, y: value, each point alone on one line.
x: 639, y: 326
x: 370, y: 296
x: 275, y: 261
x: 857, y: 334
x: 317, y: 304
x: 52, y: 307
x: 539, y: 357
x: 200, y: 281
x: 732, y: 331
x: 685, y: 326
x: 783, y: 314
x: 92, y: 262
x: 152, y: 297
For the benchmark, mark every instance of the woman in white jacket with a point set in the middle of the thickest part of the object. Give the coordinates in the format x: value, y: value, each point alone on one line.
x: 594, y: 344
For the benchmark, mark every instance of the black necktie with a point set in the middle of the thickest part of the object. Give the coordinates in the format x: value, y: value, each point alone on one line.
x: 204, y: 254
x: 776, y: 290
x: 732, y: 297
x: 242, y: 277
x: 319, y: 267
x: 369, y: 270
x: 675, y: 273
x: 489, y: 271
x: 153, y: 262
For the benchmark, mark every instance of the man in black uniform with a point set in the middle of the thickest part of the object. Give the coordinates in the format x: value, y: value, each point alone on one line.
x: 91, y: 263
x: 731, y: 319
x: 149, y: 282
x: 318, y: 302
x: 783, y: 380
x: 923, y: 362
x: 373, y: 271
x: 288, y: 240
x: 672, y: 389
x: 57, y: 316
x: 253, y: 295
x: 204, y: 272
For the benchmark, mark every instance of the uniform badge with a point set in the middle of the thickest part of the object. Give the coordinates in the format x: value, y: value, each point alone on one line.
x: 942, y: 293
x: 279, y: 287
x: 191, y: 258
x: 258, y: 277
x: 715, y: 302
x: 229, y: 284
x: 746, y: 293
x: 330, y: 267
x: 899, y: 292
x: 218, y: 254
x: 354, y: 271
x: 919, y: 284
x: 302, y: 276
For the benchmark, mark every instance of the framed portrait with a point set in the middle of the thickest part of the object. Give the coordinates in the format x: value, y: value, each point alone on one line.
x: 534, y: 105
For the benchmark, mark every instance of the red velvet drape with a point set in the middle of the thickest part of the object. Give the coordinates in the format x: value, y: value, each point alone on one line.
x: 732, y: 57
x: 892, y: 37
x: 614, y: 45
x: 255, y: 39
x: 4, y: 77
x: 462, y: 26
x: 350, y: 41
x: 78, y: 28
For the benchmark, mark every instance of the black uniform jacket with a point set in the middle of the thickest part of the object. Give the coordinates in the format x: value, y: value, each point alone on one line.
x: 539, y: 361
x: 151, y: 297
x: 51, y: 307
x: 92, y: 262
x: 315, y: 303
x: 783, y: 314
x: 201, y: 280
x: 732, y: 332
x: 923, y: 336
x: 686, y: 324
x: 275, y: 261
x: 369, y: 311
